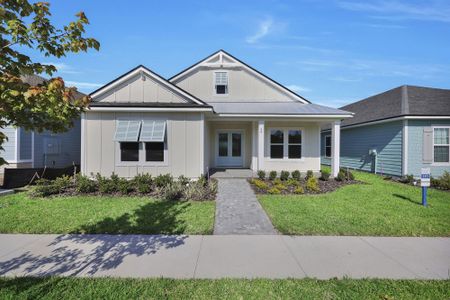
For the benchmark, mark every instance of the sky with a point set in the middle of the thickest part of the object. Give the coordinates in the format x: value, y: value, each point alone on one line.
x: 332, y: 52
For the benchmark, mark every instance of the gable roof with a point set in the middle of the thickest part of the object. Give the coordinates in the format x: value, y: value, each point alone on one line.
x: 222, y: 53
x: 142, y: 69
x: 35, y: 80
x: 402, y: 101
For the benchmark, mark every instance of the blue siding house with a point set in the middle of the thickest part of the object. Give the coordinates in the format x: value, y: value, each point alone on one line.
x: 397, y: 132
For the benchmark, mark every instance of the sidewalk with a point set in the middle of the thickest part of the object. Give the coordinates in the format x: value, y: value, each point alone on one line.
x: 231, y: 256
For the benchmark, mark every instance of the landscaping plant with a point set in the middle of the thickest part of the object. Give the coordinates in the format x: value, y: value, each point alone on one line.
x: 296, y: 175
x: 309, y: 174
x: 272, y: 175
x: 284, y: 175
x: 325, y: 175
x: 312, y: 184
x: 261, y: 174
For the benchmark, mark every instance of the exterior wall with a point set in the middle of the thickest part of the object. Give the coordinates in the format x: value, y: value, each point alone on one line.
x: 183, y: 137
x: 415, y: 147
x: 9, y: 152
x: 356, y: 142
x: 138, y: 90
x: 26, y: 144
x: 242, y: 86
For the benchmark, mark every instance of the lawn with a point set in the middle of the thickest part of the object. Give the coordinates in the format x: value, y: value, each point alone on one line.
x: 378, y: 208
x: 98, y: 214
x: 109, y: 288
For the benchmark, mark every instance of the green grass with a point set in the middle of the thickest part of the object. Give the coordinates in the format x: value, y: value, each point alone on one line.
x: 108, y: 288
x: 378, y: 208
x: 98, y: 214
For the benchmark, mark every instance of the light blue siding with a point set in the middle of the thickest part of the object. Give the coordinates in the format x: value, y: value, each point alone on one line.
x: 9, y: 152
x: 415, y: 144
x: 25, y: 144
x: 386, y: 138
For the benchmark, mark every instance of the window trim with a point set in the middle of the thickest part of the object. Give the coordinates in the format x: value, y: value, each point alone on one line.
x: 448, y: 145
x: 285, y: 144
x: 331, y: 148
x: 214, y: 83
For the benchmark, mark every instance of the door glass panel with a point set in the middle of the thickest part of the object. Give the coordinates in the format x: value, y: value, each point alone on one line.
x: 223, y: 144
x: 236, y: 144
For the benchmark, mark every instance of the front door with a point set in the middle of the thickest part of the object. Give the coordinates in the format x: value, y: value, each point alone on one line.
x: 229, y: 151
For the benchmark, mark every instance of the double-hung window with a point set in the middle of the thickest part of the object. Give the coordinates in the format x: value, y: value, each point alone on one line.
x: 127, y: 134
x: 328, y: 146
x: 221, y: 83
x: 441, y: 144
x: 285, y: 143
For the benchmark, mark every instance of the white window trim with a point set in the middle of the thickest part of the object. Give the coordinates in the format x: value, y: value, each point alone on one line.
x: 331, y: 148
x: 285, y: 144
x: 214, y: 83
x: 440, y: 163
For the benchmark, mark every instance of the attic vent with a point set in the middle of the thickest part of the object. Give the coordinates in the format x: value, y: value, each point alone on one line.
x: 221, y: 83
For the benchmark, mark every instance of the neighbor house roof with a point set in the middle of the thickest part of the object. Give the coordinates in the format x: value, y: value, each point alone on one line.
x: 402, y: 101
x: 35, y: 80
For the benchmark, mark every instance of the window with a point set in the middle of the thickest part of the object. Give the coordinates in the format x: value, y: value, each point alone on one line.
x: 441, y: 144
x: 328, y: 146
x: 285, y: 144
x: 154, y: 151
x: 276, y: 143
x: 295, y: 144
x: 221, y: 83
x: 129, y: 151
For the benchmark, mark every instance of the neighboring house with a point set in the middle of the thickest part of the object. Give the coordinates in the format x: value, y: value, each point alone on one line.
x: 397, y: 132
x: 218, y: 113
x: 26, y: 149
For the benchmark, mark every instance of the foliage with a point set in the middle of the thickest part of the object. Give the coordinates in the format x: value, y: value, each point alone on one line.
x: 183, y: 180
x: 284, y: 175
x: 293, y: 182
x: 63, y: 183
x: 296, y: 174
x: 280, y: 186
x: 198, y: 191
x: 277, y: 181
x: 341, y: 176
x: 312, y: 184
x: 261, y: 174
x: 299, y: 190
x: 443, y: 182
x: 50, y: 105
x: 84, y: 184
x: 408, y: 179
x: 143, y: 183
x: 124, y: 186
x: 173, y: 191
x: 325, y: 175
x: 347, y: 174
x: 106, y: 185
x: 260, y: 184
x: 309, y: 174
x: 43, y: 188
x: 272, y: 175
x: 274, y: 191
x: 163, y: 180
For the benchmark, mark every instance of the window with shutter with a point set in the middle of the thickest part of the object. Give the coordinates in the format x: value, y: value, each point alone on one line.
x: 441, y: 144
x: 221, y: 83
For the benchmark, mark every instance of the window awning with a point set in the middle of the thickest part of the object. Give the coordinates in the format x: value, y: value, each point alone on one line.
x: 127, y: 131
x: 153, y: 131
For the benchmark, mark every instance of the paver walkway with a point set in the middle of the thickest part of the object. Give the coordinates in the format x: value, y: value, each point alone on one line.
x: 226, y: 256
x: 238, y: 211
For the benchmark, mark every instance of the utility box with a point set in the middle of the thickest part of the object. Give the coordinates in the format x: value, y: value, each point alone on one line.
x: 51, y: 145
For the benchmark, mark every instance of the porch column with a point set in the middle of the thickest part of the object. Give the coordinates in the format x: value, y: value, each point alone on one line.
x: 335, y: 147
x: 254, y: 165
x: 261, y: 145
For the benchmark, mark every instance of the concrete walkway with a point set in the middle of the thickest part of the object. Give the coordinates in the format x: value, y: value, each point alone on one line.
x: 229, y: 256
x: 238, y: 211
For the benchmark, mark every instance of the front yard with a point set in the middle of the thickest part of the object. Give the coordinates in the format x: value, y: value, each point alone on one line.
x: 104, y: 214
x: 378, y: 208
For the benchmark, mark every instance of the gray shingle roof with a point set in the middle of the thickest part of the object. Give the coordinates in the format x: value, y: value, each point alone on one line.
x: 274, y: 108
x: 34, y: 80
x: 405, y: 100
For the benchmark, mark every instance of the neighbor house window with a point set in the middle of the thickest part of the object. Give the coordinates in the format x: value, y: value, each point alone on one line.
x: 285, y: 143
x: 328, y: 146
x: 129, y: 151
x: 154, y: 151
x: 221, y: 83
x: 441, y: 144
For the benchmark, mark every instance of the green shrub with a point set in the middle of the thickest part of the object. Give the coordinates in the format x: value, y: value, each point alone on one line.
x: 63, y: 183
x: 272, y: 175
x: 183, y: 180
x: 348, y: 175
x: 277, y: 181
x: 293, y: 182
x: 284, y: 175
x: 143, y: 183
x: 296, y: 174
x: 274, y: 191
x: 84, y: 184
x: 106, y: 185
x: 261, y: 174
x: 309, y: 174
x: 408, y: 179
x: 325, y: 175
x: 341, y: 176
x: 280, y: 187
x: 299, y: 190
x: 312, y: 184
x: 43, y: 188
x: 163, y: 180
x: 260, y: 184
x: 444, y: 181
x: 124, y: 186
x: 173, y: 191
x: 198, y: 191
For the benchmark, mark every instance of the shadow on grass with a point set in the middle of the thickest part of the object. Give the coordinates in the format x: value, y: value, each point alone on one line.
x: 73, y: 254
x: 406, y: 199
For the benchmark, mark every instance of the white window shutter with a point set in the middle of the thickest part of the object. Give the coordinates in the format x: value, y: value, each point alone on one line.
x: 127, y: 131
x: 427, y: 147
x: 153, y: 131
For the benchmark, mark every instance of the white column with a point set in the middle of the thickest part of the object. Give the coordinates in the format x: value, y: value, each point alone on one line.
x: 335, y: 147
x: 254, y: 165
x: 261, y: 145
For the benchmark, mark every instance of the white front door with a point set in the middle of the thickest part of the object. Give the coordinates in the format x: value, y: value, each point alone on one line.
x: 229, y: 148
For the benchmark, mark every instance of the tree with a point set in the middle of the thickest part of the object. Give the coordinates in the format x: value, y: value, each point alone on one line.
x: 51, y: 105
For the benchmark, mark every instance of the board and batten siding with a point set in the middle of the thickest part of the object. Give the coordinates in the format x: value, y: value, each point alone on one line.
x: 9, y: 146
x: 26, y: 144
x: 183, y: 136
x: 415, y: 147
x: 356, y: 142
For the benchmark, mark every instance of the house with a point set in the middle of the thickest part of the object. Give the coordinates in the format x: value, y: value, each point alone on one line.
x: 217, y: 113
x: 397, y: 132
x: 27, y: 149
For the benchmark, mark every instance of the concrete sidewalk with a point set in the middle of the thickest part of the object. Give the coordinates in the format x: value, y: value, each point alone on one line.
x: 231, y: 256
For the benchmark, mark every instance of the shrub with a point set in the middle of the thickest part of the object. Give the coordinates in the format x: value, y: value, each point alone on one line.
x: 312, y: 184
x: 84, y: 185
x: 296, y: 174
x: 340, y: 176
x: 274, y: 191
x: 293, y: 182
x: 197, y: 191
x: 284, y: 175
x: 299, y: 190
x: 173, y: 191
x: 183, y: 180
x: 106, y: 185
x: 272, y: 175
x: 63, y: 183
x: 309, y: 174
x: 143, y: 183
x: 260, y: 184
x: 43, y: 188
x: 277, y: 181
x: 261, y: 174
x: 325, y: 175
x: 124, y: 186
x: 163, y: 180
x: 444, y: 181
x: 280, y: 186
x: 408, y: 179
x: 348, y: 175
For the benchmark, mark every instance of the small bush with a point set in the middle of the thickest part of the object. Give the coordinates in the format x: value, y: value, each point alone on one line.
x: 341, y: 176
x: 443, y: 182
x: 183, y: 180
x: 163, y: 180
x: 296, y: 174
x: 106, y: 185
x: 309, y: 174
x: 348, y: 175
x: 277, y: 181
x: 408, y: 179
x: 299, y: 190
x: 274, y: 191
x: 63, y: 183
x: 43, y: 188
x: 124, y: 186
x: 84, y: 185
x: 325, y: 175
x: 280, y: 187
x: 260, y: 184
x: 284, y: 175
x: 143, y: 183
x: 272, y: 175
x: 261, y: 174
x: 312, y: 184
x: 173, y: 191
x: 198, y: 191
x: 293, y: 182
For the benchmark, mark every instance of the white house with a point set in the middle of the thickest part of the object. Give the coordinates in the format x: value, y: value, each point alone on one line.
x: 218, y: 113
